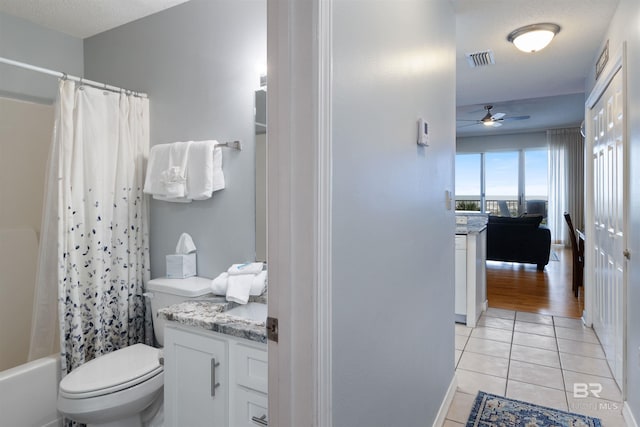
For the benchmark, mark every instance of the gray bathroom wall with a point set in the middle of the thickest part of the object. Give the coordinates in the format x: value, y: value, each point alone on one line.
x: 23, y: 41
x: 393, y: 236
x: 199, y: 62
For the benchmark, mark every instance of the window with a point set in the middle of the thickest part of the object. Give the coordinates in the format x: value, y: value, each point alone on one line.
x: 496, y: 182
x: 501, y: 177
x: 468, y: 177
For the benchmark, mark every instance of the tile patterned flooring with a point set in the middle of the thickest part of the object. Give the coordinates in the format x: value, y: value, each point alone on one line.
x: 536, y: 358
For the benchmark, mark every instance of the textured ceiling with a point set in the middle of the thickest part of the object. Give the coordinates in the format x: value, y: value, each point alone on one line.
x: 84, y: 18
x: 560, y: 69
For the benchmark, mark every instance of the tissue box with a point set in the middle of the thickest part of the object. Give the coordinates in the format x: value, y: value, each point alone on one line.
x: 181, y: 266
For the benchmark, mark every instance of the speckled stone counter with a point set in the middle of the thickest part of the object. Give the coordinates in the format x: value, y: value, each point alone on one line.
x: 469, y: 228
x: 210, y: 314
x: 473, y: 222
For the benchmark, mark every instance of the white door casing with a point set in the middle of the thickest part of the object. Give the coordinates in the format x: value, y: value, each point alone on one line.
x: 299, y: 38
x: 607, y: 182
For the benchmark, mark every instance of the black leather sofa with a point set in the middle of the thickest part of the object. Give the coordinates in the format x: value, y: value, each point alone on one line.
x: 519, y: 239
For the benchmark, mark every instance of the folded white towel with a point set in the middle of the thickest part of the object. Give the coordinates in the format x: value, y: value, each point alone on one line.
x: 166, y: 177
x: 205, y: 163
x: 248, y: 268
x: 219, y: 284
x: 258, y: 284
x: 239, y: 287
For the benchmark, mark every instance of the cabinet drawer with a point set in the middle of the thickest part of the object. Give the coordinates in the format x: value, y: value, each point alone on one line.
x: 250, y: 409
x: 251, y: 366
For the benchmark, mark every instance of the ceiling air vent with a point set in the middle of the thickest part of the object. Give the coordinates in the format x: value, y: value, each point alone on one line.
x: 480, y: 59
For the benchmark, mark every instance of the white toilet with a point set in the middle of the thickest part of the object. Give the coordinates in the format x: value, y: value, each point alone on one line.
x: 124, y: 388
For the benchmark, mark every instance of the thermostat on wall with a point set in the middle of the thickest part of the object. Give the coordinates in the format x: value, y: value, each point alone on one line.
x: 423, y: 133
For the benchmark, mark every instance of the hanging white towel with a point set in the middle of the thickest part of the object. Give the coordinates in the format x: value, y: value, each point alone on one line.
x: 174, y: 177
x: 158, y: 162
x: 217, y: 182
x: 239, y: 287
x: 219, y: 284
x: 172, y: 199
x: 167, y: 171
x: 258, y: 284
x: 204, y: 170
x: 247, y: 268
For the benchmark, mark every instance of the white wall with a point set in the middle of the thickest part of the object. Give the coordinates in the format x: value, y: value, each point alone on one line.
x: 625, y: 26
x: 393, y: 269
x: 478, y: 144
x: 200, y: 64
x: 23, y: 41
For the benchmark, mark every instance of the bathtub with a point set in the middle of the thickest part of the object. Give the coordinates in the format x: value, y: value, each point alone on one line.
x: 28, y: 394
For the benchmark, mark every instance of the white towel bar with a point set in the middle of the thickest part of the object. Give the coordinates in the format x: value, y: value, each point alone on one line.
x: 237, y: 145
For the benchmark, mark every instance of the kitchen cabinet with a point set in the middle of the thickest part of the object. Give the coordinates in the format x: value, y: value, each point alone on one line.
x: 470, y: 276
x: 213, y: 379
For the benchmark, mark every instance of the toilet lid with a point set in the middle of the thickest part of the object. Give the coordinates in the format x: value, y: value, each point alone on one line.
x: 189, y: 287
x: 112, y: 372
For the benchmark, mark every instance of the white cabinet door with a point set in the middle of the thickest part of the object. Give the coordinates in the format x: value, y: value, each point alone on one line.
x: 249, y: 409
x: 196, y: 380
x: 461, y: 276
x: 249, y: 375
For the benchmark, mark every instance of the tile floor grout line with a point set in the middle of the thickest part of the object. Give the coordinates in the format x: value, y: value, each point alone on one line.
x: 564, y: 384
x: 513, y: 331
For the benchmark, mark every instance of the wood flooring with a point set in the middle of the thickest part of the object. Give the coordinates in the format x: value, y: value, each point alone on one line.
x: 522, y: 287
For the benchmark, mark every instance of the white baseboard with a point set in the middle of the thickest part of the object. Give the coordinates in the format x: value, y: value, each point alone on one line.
x: 446, y: 403
x: 485, y: 305
x: 628, y: 416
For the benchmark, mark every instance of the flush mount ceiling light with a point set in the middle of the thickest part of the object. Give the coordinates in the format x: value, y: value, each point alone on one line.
x: 533, y: 38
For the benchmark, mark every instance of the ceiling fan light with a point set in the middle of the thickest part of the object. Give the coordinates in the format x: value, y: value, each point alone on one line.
x: 533, y: 38
x: 487, y: 122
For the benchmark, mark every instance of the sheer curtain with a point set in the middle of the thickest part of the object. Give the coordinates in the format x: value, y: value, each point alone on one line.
x: 96, y: 254
x: 566, y: 181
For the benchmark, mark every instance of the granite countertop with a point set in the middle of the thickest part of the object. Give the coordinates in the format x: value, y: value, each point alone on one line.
x: 470, y: 228
x: 209, y: 314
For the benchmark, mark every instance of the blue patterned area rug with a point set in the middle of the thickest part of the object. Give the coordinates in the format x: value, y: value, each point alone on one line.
x: 490, y: 410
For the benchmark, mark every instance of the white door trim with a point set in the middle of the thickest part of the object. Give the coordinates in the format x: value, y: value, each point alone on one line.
x: 299, y: 51
x: 323, y: 305
x: 619, y: 65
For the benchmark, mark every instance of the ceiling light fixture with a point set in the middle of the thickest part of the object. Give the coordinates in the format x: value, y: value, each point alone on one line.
x: 535, y: 37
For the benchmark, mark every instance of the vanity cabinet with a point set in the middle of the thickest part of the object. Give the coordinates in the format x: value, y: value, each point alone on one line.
x: 196, y: 379
x: 213, y: 380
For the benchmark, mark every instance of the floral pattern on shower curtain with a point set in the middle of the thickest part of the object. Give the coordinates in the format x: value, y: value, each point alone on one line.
x: 102, y: 142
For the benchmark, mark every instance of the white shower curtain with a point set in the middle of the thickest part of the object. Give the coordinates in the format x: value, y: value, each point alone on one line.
x: 95, y: 223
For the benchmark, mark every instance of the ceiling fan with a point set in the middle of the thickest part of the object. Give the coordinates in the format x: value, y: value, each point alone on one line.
x: 492, y: 120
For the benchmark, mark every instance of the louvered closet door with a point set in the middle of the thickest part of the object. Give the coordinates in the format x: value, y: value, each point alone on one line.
x: 608, y: 162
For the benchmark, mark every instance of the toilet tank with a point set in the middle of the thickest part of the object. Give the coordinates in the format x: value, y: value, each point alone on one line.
x: 164, y: 292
